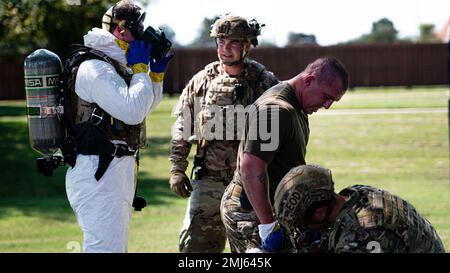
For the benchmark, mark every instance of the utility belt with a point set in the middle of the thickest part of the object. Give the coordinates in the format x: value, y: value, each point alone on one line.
x: 106, y: 153
x: 221, y: 173
x: 199, y: 170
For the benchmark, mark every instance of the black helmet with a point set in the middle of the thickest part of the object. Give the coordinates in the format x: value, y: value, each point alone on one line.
x: 125, y: 14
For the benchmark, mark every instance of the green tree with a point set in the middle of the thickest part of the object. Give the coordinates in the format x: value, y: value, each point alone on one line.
x: 266, y: 43
x: 26, y: 25
x: 383, y: 32
x: 203, y: 39
x: 301, y: 39
x: 427, y: 33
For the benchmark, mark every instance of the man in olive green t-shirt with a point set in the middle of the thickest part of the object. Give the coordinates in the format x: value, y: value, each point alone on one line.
x: 265, y: 156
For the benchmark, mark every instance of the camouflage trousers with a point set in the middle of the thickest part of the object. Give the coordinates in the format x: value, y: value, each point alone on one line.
x: 241, y: 224
x: 203, y: 230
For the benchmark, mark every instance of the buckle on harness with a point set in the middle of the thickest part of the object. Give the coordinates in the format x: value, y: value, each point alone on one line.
x: 122, y: 150
x: 96, y: 118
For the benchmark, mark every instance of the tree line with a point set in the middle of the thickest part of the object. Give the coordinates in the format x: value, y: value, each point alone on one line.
x: 29, y: 24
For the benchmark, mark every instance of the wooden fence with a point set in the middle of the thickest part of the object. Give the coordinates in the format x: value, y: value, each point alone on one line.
x: 368, y: 65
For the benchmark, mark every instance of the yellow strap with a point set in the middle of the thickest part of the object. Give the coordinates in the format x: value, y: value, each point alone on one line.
x: 156, y: 77
x: 139, y: 68
x: 123, y: 45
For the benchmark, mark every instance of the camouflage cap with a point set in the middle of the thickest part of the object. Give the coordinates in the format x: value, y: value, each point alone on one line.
x: 298, y: 190
x: 237, y: 28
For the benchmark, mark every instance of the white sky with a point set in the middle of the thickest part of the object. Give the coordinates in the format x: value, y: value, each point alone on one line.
x: 332, y: 21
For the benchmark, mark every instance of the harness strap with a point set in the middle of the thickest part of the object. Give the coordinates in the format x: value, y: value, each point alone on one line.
x: 103, y: 162
x: 105, y: 159
x: 92, y: 140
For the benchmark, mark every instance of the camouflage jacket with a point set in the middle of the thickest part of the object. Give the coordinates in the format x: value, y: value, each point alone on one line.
x: 373, y: 220
x: 209, y: 91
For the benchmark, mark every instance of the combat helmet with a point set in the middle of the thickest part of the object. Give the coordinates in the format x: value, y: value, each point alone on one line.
x: 298, y: 190
x: 236, y: 27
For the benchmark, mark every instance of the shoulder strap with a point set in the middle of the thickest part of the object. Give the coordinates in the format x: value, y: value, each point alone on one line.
x: 255, y: 71
x: 76, y: 54
x: 211, y: 72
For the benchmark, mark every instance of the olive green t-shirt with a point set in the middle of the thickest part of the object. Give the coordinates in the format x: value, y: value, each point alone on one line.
x: 277, y: 131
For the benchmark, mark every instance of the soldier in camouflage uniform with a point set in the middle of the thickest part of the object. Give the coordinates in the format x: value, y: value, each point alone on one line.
x: 234, y: 80
x: 358, y: 219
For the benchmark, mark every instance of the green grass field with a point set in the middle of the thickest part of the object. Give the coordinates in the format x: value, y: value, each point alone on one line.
x: 406, y: 153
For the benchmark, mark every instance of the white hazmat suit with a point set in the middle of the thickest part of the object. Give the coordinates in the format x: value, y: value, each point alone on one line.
x: 103, y: 208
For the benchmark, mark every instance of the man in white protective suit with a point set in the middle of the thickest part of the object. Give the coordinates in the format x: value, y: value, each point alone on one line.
x: 114, y: 95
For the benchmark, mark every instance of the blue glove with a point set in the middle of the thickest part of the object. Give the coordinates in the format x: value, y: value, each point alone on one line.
x: 138, y: 53
x: 315, y: 235
x: 273, y: 241
x: 160, y: 66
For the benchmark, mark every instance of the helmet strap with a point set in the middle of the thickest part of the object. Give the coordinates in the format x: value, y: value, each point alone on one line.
x: 232, y: 63
x: 243, y: 53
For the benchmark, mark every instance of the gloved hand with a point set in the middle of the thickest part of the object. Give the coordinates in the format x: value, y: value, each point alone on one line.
x: 138, y: 56
x: 161, y: 65
x: 180, y: 184
x: 158, y: 68
x: 272, y: 236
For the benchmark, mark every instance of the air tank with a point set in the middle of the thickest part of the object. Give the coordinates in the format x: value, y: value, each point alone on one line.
x: 42, y: 72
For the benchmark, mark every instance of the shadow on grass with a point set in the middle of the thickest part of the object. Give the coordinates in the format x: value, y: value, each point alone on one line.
x: 11, y: 110
x: 25, y: 191
x: 155, y: 191
x: 19, y: 175
x: 157, y: 146
x: 51, y: 208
